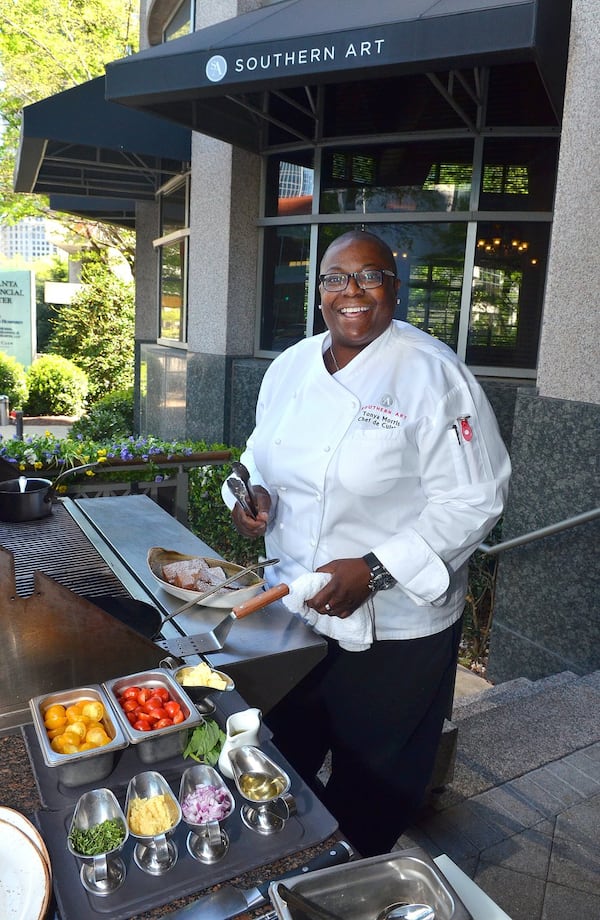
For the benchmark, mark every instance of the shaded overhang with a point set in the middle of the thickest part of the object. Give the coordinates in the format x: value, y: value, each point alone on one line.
x: 77, y: 143
x: 119, y: 211
x: 217, y: 80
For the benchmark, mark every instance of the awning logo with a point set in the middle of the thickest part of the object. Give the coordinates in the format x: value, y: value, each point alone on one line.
x: 216, y: 68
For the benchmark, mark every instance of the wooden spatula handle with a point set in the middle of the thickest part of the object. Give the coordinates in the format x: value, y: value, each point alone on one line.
x: 261, y: 600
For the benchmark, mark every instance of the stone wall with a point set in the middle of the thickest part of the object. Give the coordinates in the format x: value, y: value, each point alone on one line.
x: 546, y: 616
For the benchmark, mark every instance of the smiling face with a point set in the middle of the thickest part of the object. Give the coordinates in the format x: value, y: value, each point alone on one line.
x: 355, y: 317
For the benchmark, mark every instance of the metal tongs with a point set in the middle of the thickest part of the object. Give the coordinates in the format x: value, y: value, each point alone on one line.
x: 240, y: 486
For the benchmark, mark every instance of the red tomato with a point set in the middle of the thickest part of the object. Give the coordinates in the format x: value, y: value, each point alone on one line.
x: 163, y: 723
x: 130, y: 693
x: 172, y: 707
x: 132, y: 716
x: 129, y: 704
x: 178, y: 717
x: 162, y: 692
x: 156, y: 714
x: 142, y: 726
x: 154, y: 702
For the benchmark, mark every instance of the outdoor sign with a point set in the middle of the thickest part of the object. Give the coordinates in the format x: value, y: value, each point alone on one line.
x: 17, y: 315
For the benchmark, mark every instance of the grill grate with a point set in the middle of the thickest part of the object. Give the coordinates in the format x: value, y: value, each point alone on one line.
x: 56, y: 546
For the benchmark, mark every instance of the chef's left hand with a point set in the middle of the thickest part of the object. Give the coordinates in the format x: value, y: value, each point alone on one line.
x: 346, y: 590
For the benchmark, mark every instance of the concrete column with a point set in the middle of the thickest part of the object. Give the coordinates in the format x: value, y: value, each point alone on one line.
x: 568, y: 363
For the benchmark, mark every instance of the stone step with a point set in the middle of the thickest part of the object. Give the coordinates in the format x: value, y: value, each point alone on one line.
x: 523, y: 730
x: 507, y: 694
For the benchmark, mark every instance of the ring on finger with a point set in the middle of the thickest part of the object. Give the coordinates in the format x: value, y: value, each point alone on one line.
x: 327, y: 607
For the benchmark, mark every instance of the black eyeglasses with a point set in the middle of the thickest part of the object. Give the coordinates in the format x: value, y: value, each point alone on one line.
x: 366, y: 279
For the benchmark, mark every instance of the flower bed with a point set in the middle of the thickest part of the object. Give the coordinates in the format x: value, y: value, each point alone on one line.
x: 126, y: 465
x: 49, y: 455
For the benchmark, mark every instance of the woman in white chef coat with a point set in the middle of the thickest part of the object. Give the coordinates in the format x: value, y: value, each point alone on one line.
x: 377, y: 459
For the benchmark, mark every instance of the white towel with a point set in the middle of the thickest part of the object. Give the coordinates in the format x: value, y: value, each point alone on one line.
x: 355, y: 633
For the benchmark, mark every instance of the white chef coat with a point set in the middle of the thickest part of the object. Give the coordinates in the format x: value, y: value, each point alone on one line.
x: 398, y: 453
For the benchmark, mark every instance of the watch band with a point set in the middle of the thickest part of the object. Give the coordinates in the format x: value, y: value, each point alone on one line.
x: 380, y: 579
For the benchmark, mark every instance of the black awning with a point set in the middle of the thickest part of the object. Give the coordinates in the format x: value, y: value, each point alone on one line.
x: 77, y: 143
x: 209, y: 80
x: 119, y: 211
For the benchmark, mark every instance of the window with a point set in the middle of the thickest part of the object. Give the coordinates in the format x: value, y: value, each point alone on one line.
x: 518, y: 174
x: 285, y: 287
x: 172, y: 248
x: 181, y: 23
x: 507, y: 294
x: 456, y: 171
x: 398, y: 177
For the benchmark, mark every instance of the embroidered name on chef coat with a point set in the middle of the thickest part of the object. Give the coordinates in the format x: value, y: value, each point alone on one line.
x: 381, y: 414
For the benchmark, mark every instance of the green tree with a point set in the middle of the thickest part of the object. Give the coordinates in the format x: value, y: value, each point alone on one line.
x: 47, y: 46
x: 96, y: 330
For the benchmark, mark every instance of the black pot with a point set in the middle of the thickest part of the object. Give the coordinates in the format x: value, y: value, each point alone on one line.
x: 27, y: 499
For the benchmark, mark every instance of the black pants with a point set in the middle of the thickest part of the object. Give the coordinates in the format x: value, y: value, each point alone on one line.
x: 381, y: 713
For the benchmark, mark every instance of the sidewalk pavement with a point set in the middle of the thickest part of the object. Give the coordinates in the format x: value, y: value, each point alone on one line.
x: 58, y: 426
x: 521, y: 815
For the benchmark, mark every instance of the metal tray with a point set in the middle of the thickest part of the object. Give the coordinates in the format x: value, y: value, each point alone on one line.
x: 141, y: 892
x: 55, y: 795
x: 362, y: 889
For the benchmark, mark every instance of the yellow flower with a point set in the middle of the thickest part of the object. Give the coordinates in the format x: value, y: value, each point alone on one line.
x: 102, y: 451
x: 47, y: 434
x: 37, y: 465
x: 61, y: 489
x: 22, y: 466
x: 89, y: 472
x: 102, y: 459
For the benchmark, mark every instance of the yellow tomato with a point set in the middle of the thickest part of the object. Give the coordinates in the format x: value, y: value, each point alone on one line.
x: 55, y: 711
x: 79, y: 729
x: 67, y: 743
x: 55, y: 732
x: 97, y: 736
x: 74, y: 712
x: 86, y: 746
x: 55, y: 720
x: 93, y: 710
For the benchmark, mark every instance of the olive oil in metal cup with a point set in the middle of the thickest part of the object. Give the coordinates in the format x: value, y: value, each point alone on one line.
x: 265, y: 786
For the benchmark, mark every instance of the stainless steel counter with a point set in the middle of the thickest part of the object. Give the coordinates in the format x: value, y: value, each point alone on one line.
x: 266, y: 653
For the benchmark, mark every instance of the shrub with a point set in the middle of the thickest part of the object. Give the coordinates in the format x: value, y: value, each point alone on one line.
x: 13, y: 381
x: 96, y: 330
x: 56, y: 387
x: 110, y: 417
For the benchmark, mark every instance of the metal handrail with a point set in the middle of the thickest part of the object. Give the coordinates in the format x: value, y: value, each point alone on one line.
x: 542, y: 532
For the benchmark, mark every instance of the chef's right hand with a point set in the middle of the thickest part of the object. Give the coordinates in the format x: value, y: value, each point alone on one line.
x: 248, y: 526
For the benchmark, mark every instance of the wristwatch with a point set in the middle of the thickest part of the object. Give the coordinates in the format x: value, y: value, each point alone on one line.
x: 380, y: 579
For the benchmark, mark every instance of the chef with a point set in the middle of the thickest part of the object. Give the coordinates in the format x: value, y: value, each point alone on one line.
x: 378, y: 464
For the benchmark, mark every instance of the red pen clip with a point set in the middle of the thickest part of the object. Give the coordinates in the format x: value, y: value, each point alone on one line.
x: 465, y: 429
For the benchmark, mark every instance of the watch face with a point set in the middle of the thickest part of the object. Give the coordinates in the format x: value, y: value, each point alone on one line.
x: 383, y: 581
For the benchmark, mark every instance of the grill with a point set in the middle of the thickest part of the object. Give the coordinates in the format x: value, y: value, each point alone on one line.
x: 56, y: 546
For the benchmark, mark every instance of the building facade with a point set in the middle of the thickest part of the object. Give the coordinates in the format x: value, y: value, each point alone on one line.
x: 466, y: 135
x: 28, y: 239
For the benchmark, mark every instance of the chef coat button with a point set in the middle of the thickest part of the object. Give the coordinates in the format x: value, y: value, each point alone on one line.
x: 318, y: 496
x: 327, y: 449
x: 278, y: 440
x: 313, y: 542
x: 281, y: 526
x: 282, y: 489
